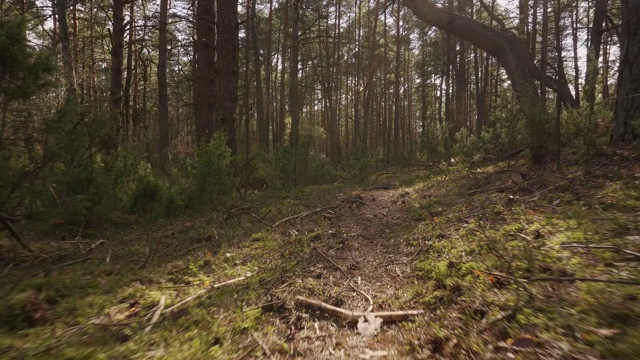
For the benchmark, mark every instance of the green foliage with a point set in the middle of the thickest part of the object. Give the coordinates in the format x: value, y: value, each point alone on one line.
x: 467, y: 146
x: 212, y: 174
x: 436, y: 145
x: 586, y: 131
x: 23, y: 71
x: 506, y: 133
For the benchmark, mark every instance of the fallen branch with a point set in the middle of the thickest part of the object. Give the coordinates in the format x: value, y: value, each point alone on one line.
x: 330, y: 260
x: 264, y: 347
x: 94, y: 246
x: 72, y: 262
x: 6, y: 222
x: 204, y: 291
x: 301, y: 215
x: 256, y: 217
x: 351, y: 317
x: 156, y: 315
x: 583, y: 279
x: 606, y: 247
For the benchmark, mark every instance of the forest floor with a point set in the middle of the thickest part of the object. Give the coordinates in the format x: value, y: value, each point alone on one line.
x: 505, y: 260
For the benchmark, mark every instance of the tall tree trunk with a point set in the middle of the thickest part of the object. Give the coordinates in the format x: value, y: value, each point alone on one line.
x: 65, y: 45
x: 626, y: 115
x: 294, y: 91
x: 226, y: 75
x: 163, y: 97
x: 575, y: 21
x: 397, y: 149
x: 593, y: 54
x: 129, y: 75
x: 279, y: 140
x: 267, y: 74
x: 261, y: 120
x: 205, y: 54
x: 115, y: 90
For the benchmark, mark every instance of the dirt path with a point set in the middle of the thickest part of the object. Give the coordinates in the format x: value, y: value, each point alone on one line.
x: 365, y: 239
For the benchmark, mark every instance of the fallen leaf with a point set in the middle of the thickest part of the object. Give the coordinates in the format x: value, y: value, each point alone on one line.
x: 524, y: 342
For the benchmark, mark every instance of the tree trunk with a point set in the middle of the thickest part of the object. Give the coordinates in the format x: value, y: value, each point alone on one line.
x: 626, y: 116
x: 65, y: 45
x: 129, y: 75
x: 279, y: 138
x: 261, y: 121
x: 115, y: 90
x: 294, y: 92
x: 205, y: 48
x: 226, y: 76
x: 397, y: 150
x: 163, y: 97
x: 593, y: 55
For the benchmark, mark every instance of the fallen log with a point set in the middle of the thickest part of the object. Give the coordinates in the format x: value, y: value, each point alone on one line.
x: 351, y: 317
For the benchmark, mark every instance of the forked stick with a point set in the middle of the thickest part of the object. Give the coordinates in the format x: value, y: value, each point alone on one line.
x: 350, y: 317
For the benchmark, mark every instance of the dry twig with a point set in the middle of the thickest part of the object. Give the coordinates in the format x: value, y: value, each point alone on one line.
x: 156, y: 315
x: 264, y: 346
x: 363, y: 294
x: 330, y: 260
x: 301, y: 215
x: 606, y: 247
x: 204, y: 291
x: 350, y: 317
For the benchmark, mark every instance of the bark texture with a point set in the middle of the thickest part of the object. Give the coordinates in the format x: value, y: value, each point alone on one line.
x: 626, y: 114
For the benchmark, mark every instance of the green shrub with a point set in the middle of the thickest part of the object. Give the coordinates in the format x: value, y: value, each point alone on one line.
x: 211, y: 174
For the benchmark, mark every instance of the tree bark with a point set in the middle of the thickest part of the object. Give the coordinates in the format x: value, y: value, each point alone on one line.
x: 626, y: 116
x: 127, y: 112
x: 593, y: 55
x: 205, y: 48
x: 227, y: 68
x: 163, y: 97
x: 116, y: 87
x: 261, y: 121
x: 294, y: 93
x: 65, y: 45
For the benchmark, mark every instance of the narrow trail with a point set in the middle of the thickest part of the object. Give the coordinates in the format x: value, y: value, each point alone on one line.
x: 363, y: 254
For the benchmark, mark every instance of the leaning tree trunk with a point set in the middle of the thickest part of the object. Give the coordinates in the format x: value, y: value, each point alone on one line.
x: 515, y: 57
x: 626, y: 114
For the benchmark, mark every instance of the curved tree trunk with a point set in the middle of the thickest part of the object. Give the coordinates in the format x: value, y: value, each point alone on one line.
x: 626, y: 114
x: 515, y: 57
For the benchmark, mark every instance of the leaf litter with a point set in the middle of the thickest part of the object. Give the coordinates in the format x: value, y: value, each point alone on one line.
x: 483, y: 251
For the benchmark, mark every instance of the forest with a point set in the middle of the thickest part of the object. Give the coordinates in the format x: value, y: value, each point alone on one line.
x: 320, y: 179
